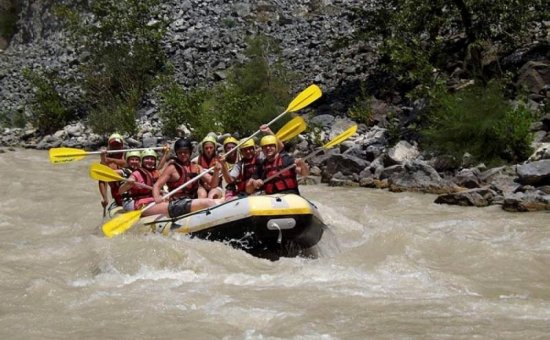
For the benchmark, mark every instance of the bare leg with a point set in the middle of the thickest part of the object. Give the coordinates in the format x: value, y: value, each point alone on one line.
x: 201, y: 192
x: 203, y: 203
x: 160, y: 208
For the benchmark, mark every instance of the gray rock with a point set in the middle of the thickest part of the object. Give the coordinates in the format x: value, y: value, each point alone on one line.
x: 345, y: 164
x: 419, y: 176
x: 468, y: 178
x: 479, y: 197
x: 322, y: 120
x: 402, y: 152
x: 534, y: 173
x: 523, y: 202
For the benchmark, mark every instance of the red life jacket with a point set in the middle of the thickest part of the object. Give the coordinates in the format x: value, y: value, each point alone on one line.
x: 114, y: 192
x: 149, y: 178
x: 285, y: 181
x: 117, y: 197
x: 186, y: 173
x: 248, y: 169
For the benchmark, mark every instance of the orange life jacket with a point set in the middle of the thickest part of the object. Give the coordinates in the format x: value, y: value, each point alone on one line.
x: 204, y: 163
x: 283, y: 182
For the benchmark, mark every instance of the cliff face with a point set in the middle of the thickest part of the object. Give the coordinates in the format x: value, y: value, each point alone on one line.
x: 207, y: 37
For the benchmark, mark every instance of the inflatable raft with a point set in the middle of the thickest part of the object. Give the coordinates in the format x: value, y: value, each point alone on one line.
x: 268, y: 226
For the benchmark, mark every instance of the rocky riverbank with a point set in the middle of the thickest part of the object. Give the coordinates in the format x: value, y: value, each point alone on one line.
x: 365, y: 160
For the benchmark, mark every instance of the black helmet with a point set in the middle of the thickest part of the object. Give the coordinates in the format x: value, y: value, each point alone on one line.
x: 183, y: 143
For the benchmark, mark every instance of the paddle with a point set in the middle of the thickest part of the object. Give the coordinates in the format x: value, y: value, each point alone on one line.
x: 121, y: 223
x: 291, y: 129
x: 335, y: 141
x: 306, y: 97
x: 104, y: 173
x: 66, y: 155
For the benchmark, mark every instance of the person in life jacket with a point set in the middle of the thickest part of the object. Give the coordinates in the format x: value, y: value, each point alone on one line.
x: 207, y: 159
x: 229, y: 160
x: 140, y: 183
x: 275, y: 162
x: 116, y: 161
x: 133, y: 161
x: 178, y: 172
x: 242, y: 171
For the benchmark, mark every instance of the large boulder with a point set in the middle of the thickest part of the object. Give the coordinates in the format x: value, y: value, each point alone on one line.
x: 402, y: 152
x: 468, y: 178
x: 345, y: 164
x: 479, y: 197
x: 419, y: 176
x: 534, y: 173
x: 535, y: 76
x: 534, y: 200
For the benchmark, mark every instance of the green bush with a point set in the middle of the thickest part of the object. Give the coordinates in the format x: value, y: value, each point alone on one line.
x: 478, y: 120
x: 124, y: 48
x: 418, y: 37
x: 361, y: 110
x: 119, y: 115
x: 515, y: 135
x: 178, y: 106
x: 5, y: 120
x: 49, y: 111
x: 254, y: 93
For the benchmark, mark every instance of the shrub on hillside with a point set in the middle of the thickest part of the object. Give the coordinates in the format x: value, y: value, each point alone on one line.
x: 254, y: 93
x: 49, y: 111
x: 478, y: 120
x: 119, y: 115
x: 178, y: 107
x: 361, y: 110
x: 418, y: 37
x: 122, y: 41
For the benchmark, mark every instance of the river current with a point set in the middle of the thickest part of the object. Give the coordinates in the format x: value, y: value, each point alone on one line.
x: 390, y: 266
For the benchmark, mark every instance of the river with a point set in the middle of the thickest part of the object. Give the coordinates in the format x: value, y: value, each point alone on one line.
x: 391, y: 266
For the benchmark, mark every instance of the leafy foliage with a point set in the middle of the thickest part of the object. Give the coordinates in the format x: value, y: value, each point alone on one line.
x: 480, y: 121
x: 50, y: 112
x: 419, y: 37
x: 122, y: 40
x: 361, y: 110
x: 183, y: 107
x: 253, y: 94
x: 118, y: 116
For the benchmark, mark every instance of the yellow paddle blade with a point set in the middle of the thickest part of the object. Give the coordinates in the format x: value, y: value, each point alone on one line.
x: 104, y: 173
x: 341, y: 137
x: 291, y: 129
x: 121, y: 223
x: 65, y: 155
x: 306, y: 97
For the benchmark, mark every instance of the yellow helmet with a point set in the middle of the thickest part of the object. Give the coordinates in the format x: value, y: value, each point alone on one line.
x: 149, y: 152
x: 134, y: 153
x: 115, y: 137
x: 229, y: 140
x: 248, y: 143
x: 268, y: 140
x: 209, y: 139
